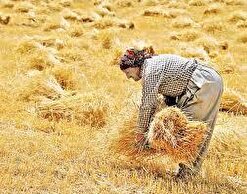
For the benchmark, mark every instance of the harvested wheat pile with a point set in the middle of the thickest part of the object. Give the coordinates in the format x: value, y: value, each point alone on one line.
x: 212, y: 9
x: 187, y: 35
x: 83, y: 109
x: 163, y: 12
x: 41, y: 86
x: 124, y: 3
x: 106, y: 39
x: 209, y: 44
x: 24, y: 7
x: 197, y: 2
x: 69, y: 77
x: 238, y: 16
x: 7, y: 4
x: 242, y: 38
x: 108, y: 22
x: 233, y: 101
x: 182, y: 22
x: 51, y: 42
x: 76, y: 30
x: 36, y: 56
x: 176, y: 4
x: 213, y: 27
x: 242, y: 24
x: 170, y: 134
x: 56, y: 23
x: 102, y: 11
x: 235, y: 2
x: 4, y: 19
x: 70, y: 15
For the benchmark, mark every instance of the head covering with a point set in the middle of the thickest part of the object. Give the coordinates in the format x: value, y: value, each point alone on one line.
x: 134, y: 58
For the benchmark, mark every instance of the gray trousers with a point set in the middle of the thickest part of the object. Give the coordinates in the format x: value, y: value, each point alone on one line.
x: 201, y: 102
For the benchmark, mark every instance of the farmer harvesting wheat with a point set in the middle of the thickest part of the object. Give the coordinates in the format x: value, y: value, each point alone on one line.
x: 194, y: 88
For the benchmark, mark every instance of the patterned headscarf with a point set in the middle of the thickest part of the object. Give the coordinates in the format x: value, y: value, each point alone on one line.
x: 134, y: 58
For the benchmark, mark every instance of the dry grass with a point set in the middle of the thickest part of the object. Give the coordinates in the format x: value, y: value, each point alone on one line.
x: 233, y: 101
x: 63, y: 97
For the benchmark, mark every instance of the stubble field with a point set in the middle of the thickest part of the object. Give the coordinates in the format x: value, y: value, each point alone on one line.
x: 63, y: 97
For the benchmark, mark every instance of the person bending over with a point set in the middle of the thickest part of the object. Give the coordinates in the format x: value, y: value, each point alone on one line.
x: 185, y: 83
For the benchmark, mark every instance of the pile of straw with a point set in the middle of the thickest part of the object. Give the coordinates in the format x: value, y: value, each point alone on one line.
x: 170, y: 134
x: 166, y: 13
x: 83, y: 109
x: 233, y: 101
x: 37, y: 56
x: 4, y: 19
x: 41, y: 86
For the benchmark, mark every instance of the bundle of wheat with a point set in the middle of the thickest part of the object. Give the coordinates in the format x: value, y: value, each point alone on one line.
x: 102, y: 11
x: 124, y: 3
x: 56, y: 23
x: 213, y: 27
x: 212, y: 9
x: 39, y: 86
x: 37, y: 56
x: 69, y: 77
x: 238, y: 16
x: 194, y: 52
x: 242, y: 38
x: 197, y: 2
x: 68, y: 14
x: 28, y: 46
x: 242, y: 24
x: 182, y: 22
x: 233, y: 101
x: 235, y: 2
x: 7, y: 4
x: 24, y: 7
x: 170, y: 134
x: 76, y: 30
x: 4, y: 19
x: 187, y: 35
x: 83, y: 109
x: 108, y: 22
x: 166, y: 13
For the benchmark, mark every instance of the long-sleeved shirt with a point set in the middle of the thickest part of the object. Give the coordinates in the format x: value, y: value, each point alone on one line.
x: 165, y: 74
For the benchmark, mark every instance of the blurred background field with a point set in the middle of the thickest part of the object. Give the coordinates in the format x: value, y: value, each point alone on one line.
x: 63, y: 96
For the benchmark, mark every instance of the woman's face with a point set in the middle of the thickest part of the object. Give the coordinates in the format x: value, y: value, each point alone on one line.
x: 133, y: 72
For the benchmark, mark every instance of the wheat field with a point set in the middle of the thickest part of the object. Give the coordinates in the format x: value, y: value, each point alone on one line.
x: 63, y: 97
